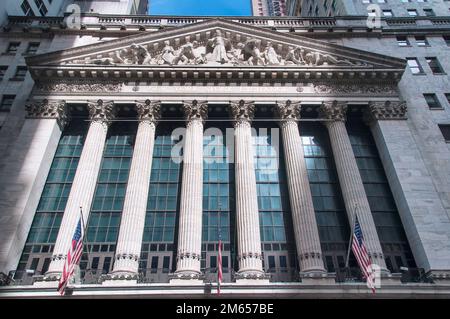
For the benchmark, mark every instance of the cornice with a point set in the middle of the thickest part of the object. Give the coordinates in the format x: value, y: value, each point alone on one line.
x: 210, y: 25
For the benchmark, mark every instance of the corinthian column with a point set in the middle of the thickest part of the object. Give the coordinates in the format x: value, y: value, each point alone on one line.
x: 247, y: 216
x: 303, y: 215
x: 83, y: 187
x: 135, y: 205
x: 350, y: 180
x: 190, y: 227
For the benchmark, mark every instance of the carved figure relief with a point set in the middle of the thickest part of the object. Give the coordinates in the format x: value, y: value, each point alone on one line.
x: 219, y: 50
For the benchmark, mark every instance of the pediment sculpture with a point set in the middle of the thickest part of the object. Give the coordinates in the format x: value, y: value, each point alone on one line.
x: 218, y: 50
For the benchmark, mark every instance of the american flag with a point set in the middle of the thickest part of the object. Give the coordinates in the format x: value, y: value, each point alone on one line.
x: 219, y: 272
x: 73, y: 258
x: 360, y: 252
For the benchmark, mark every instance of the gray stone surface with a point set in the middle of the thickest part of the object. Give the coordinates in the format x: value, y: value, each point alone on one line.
x: 21, y: 183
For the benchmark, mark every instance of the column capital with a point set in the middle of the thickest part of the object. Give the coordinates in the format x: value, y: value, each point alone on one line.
x: 287, y: 111
x: 195, y: 110
x: 149, y: 111
x: 242, y: 111
x: 333, y: 110
x: 102, y: 111
x: 385, y: 110
x: 45, y: 109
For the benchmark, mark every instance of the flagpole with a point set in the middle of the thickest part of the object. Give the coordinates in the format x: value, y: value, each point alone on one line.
x: 352, y: 228
x: 220, y: 248
x: 83, y: 238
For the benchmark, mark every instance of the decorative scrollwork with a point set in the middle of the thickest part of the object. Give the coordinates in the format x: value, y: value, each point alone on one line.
x: 218, y: 49
x: 333, y: 110
x: 46, y: 109
x: 195, y: 110
x: 387, y: 110
x: 102, y: 111
x: 242, y: 111
x: 149, y: 111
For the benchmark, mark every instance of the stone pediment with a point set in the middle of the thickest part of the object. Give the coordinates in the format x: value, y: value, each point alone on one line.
x: 215, y: 44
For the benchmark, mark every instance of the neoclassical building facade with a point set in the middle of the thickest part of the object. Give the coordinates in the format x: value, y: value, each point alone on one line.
x: 167, y: 142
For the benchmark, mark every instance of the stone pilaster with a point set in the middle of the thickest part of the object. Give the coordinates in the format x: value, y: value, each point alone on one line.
x: 350, y: 179
x: 413, y: 188
x: 83, y: 187
x: 303, y: 215
x: 190, y: 222
x: 247, y: 215
x: 23, y: 175
x: 135, y: 205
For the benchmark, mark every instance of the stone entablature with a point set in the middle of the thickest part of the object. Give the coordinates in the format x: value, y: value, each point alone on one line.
x: 126, y: 25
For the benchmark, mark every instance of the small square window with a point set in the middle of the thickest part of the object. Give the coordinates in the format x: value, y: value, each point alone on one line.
x: 3, y: 69
x: 13, y: 47
x: 21, y: 71
x: 447, y: 96
x: 421, y: 41
x: 432, y: 101
x: 435, y: 66
x: 447, y: 39
x: 41, y: 7
x: 429, y: 12
x: 414, y: 66
x: 32, y: 48
x: 7, y: 102
x: 26, y: 9
x: 445, y: 130
x: 387, y: 13
x: 412, y: 12
x: 402, y: 41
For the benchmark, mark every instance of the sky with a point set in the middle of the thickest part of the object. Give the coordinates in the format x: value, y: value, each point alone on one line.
x: 200, y: 7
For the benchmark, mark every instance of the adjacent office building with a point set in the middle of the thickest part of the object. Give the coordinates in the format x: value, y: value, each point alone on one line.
x: 387, y: 8
x: 273, y: 8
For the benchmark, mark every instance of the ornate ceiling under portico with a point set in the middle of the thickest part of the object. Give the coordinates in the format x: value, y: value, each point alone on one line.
x: 215, y: 49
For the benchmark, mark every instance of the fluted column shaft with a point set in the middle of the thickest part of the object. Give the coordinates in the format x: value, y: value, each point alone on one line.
x: 303, y: 215
x: 135, y: 205
x: 84, y: 183
x: 351, y: 183
x: 247, y: 215
x: 190, y: 224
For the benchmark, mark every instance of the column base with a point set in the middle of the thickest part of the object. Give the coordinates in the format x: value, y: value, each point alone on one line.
x: 46, y: 284
x: 177, y: 281
x: 317, y: 278
x: 390, y: 279
x: 48, y: 280
x: 119, y: 279
x: 119, y: 282
x: 439, y: 277
x: 252, y: 277
x: 186, y: 277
